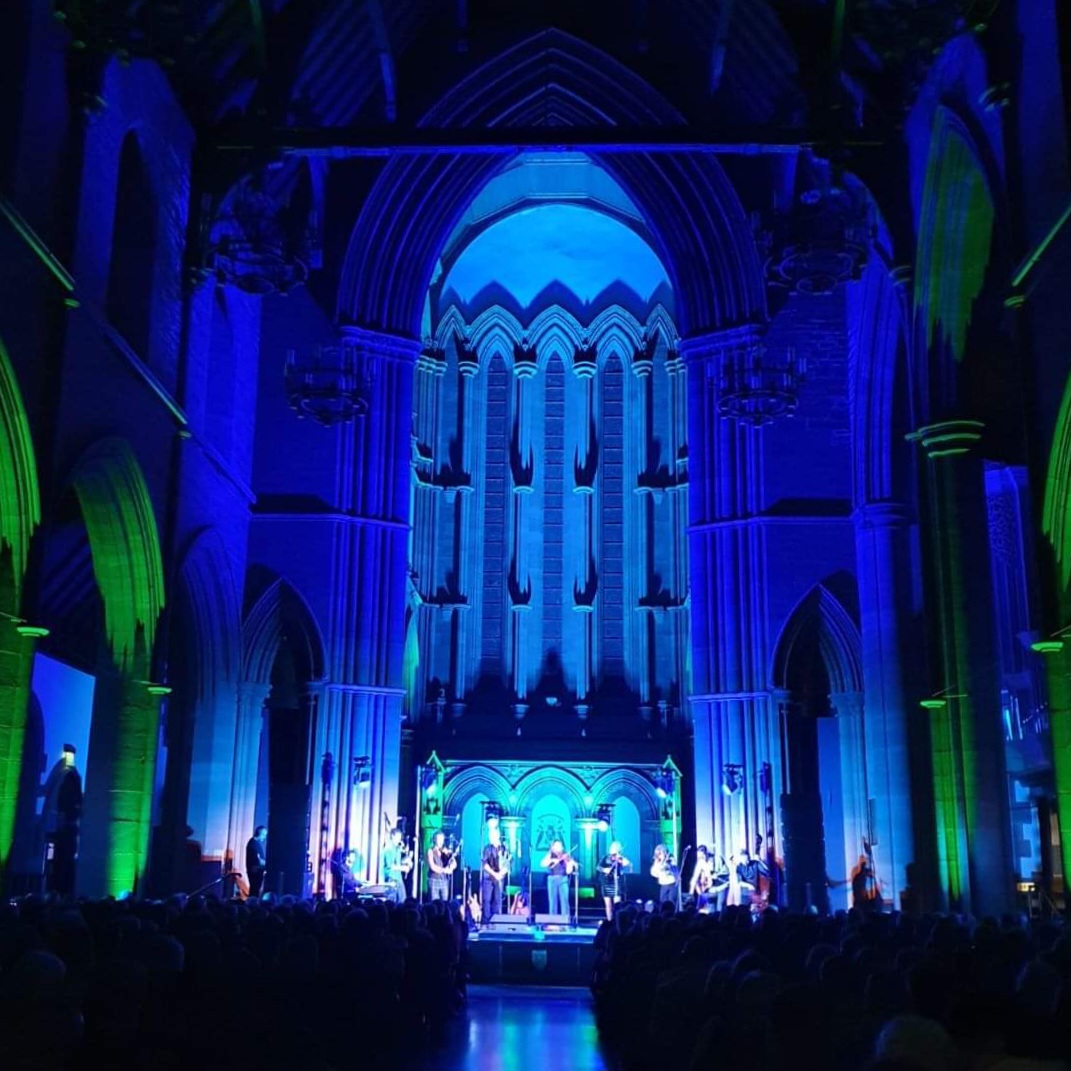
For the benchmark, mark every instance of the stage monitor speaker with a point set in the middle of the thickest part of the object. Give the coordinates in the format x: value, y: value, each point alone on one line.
x: 509, y: 924
x: 552, y: 920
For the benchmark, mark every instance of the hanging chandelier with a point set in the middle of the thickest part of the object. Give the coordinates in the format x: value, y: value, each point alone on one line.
x: 821, y: 244
x: 251, y: 248
x: 332, y: 384
x: 756, y: 389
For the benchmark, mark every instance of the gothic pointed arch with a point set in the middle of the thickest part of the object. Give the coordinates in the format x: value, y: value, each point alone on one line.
x: 125, y: 547
x: 700, y: 229
x: 20, y: 498
x: 210, y: 593
x: 277, y: 614
x: 838, y: 641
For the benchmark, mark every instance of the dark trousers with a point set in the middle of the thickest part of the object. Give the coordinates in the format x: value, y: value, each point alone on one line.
x: 490, y: 898
x: 256, y: 883
x: 667, y: 892
x: 439, y: 887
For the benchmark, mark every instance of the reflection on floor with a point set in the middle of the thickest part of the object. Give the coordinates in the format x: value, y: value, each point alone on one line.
x: 514, y: 1028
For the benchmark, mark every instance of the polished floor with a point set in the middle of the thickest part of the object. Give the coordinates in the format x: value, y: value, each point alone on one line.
x: 514, y: 1028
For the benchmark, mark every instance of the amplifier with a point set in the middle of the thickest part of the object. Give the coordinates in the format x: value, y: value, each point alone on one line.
x: 509, y: 924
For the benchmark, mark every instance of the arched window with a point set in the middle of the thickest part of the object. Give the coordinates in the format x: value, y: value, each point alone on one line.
x: 133, y: 259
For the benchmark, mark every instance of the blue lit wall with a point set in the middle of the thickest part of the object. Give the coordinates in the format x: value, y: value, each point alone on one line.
x: 549, y: 508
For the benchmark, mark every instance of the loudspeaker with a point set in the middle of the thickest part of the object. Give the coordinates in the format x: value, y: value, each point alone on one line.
x: 552, y: 920
x: 509, y: 924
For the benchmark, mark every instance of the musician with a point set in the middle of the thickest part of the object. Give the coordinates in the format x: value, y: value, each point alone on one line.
x: 395, y: 864
x: 442, y: 862
x: 664, y: 871
x: 559, y: 864
x: 749, y: 871
x: 342, y: 864
x: 612, y: 869
x: 702, y: 878
x: 256, y: 860
x: 493, y: 872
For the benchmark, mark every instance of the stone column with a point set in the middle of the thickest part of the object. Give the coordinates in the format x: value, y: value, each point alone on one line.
x: 17, y: 643
x: 248, y: 726
x: 892, y: 665
x: 848, y: 707
x: 120, y: 779
x: 362, y: 706
x: 970, y: 780
x: 730, y: 704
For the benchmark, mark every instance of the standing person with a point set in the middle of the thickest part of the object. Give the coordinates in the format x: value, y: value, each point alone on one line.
x: 664, y: 871
x: 493, y: 873
x: 559, y: 864
x: 612, y: 869
x: 702, y: 878
x: 395, y: 864
x: 441, y: 866
x: 256, y: 860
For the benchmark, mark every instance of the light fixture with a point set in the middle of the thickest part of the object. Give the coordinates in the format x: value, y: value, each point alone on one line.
x: 362, y: 772
x: 939, y: 700
x: 604, y: 816
x: 492, y: 812
x: 665, y: 784
x: 1053, y: 645
x: 332, y: 384
x: 251, y: 247
x: 732, y: 778
x: 755, y: 388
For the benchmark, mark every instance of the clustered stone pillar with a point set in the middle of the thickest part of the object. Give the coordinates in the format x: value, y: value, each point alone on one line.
x: 967, y: 745
x: 892, y: 658
x: 361, y: 711
x: 120, y: 779
x: 17, y: 643
x: 734, y: 717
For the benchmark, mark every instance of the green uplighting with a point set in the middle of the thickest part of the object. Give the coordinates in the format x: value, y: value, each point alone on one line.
x: 20, y: 498
x: 125, y: 547
x: 957, y: 238
x: 1047, y: 646
x: 1056, y: 511
x: 933, y: 704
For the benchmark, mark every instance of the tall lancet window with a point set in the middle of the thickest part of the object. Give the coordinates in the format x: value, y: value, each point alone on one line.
x: 547, y: 527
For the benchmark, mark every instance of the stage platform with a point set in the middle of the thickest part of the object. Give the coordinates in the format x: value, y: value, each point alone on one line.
x: 522, y: 954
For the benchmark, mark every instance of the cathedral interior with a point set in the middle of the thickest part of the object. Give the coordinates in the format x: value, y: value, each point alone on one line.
x: 638, y: 421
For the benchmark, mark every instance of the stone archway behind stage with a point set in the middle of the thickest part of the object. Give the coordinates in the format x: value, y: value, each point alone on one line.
x: 542, y: 801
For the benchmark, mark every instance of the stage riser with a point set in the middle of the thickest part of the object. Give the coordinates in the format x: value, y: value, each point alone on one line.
x: 520, y: 962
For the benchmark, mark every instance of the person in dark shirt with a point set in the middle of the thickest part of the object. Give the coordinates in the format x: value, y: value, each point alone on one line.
x: 559, y: 864
x: 256, y: 860
x: 612, y: 869
x: 493, y: 871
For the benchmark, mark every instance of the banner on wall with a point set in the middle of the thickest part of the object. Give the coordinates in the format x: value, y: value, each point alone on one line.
x: 65, y: 695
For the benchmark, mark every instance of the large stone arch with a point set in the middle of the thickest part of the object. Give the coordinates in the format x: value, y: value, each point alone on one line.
x: 263, y: 631
x: 823, y: 825
x: 838, y: 641
x: 20, y: 514
x: 205, y: 639
x: 695, y: 217
x: 124, y: 545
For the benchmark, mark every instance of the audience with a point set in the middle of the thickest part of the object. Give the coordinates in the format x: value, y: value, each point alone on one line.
x: 203, y: 984
x: 851, y: 992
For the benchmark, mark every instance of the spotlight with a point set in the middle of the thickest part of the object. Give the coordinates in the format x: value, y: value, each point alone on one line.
x: 492, y: 812
x: 429, y: 780
x: 664, y: 783
x: 732, y: 778
x: 362, y: 772
x: 604, y: 815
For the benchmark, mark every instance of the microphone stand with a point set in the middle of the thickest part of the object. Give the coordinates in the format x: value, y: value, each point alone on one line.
x: 576, y: 898
x: 680, y: 876
x: 531, y: 903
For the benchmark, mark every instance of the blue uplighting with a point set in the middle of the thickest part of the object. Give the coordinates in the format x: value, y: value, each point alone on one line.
x: 583, y: 250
